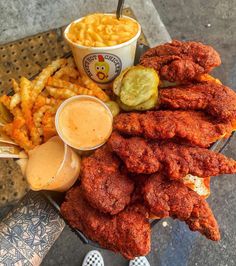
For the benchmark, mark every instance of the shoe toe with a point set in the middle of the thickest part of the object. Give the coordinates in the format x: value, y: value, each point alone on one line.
x: 93, y: 258
x: 139, y: 261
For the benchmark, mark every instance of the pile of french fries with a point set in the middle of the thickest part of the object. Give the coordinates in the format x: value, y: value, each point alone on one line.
x: 30, y: 111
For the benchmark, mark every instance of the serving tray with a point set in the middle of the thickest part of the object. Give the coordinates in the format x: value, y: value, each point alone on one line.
x: 27, y: 57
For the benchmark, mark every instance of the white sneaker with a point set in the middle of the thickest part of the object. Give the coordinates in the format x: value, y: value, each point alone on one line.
x: 93, y: 258
x: 139, y: 261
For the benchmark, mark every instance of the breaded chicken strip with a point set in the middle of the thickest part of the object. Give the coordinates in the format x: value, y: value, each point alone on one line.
x: 104, y: 185
x: 215, y: 99
x: 127, y: 232
x: 176, y: 160
x: 193, y: 127
x: 167, y: 198
x: 181, y: 61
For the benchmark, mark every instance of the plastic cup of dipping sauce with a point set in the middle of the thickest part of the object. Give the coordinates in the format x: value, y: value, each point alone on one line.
x: 103, y: 46
x: 52, y: 166
x: 84, y: 122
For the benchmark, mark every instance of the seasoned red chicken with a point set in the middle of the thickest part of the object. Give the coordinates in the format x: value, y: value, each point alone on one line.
x: 176, y: 160
x: 181, y: 61
x: 215, y: 99
x: 168, y: 198
x: 127, y: 232
x: 105, y: 186
x: 193, y: 127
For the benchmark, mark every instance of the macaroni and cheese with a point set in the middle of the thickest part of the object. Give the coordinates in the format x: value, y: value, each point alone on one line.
x: 100, y: 30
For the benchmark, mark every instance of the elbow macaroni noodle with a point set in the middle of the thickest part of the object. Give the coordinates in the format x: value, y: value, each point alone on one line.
x: 101, y: 30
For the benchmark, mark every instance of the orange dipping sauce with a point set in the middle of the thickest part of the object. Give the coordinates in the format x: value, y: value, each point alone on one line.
x: 52, y: 166
x: 84, y: 122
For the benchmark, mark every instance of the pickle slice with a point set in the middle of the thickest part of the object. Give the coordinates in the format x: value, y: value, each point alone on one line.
x: 114, y: 107
x: 147, y: 105
x: 138, y: 85
x: 118, y: 81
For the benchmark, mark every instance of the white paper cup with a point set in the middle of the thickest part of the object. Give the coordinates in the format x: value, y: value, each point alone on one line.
x: 115, y: 58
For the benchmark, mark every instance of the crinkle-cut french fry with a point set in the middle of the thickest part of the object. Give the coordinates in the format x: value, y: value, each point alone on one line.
x: 15, y: 100
x: 48, y: 132
x: 26, y: 106
x: 6, y: 100
x: 7, y: 129
x: 42, y: 100
x: 61, y: 93
x: 15, y: 86
x: 4, y: 138
x: 19, y: 134
x: 80, y: 91
x: 59, y: 83
x: 39, y: 102
x: 49, y: 129
x: 17, y: 112
x: 16, y: 131
x: 66, y: 78
x: 42, y: 78
x: 26, y: 102
x: 52, y: 101
x: 98, y: 92
x: 35, y: 135
x: 25, y: 94
x: 44, y: 93
x: 71, y: 62
x: 67, y: 71
x: 38, y: 115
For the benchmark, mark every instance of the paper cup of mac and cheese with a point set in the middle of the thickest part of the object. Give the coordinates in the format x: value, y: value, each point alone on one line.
x: 103, y: 46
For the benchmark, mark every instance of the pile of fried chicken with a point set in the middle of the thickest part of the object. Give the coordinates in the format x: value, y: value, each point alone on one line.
x: 139, y: 173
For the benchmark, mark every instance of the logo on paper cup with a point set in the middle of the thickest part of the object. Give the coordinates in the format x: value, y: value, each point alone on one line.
x: 102, y: 67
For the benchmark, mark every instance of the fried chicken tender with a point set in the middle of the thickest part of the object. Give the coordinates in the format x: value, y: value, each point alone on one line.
x: 168, y: 198
x: 193, y: 127
x: 181, y: 61
x: 176, y: 160
x: 215, y: 99
x: 127, y: 232
x: 105, y: 186
x: 136, y: 153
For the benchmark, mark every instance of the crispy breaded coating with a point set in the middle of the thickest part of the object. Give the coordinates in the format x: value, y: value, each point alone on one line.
x: 181, y: 61
x: 137, y: 155
x: 173, y: 159
x: 193, y: 127
x: 127, y: 232
x: 168, y: 198
x: 215, y: 99
x: 105, y: 186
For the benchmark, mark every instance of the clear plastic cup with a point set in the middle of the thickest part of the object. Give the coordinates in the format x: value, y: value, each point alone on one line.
x: 66, y: 175
x: 114, y: 58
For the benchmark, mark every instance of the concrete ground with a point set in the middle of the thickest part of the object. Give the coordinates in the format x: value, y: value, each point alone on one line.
x: 212, y: 22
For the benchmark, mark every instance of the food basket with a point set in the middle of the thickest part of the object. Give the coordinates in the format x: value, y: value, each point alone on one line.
x: 27, y: 57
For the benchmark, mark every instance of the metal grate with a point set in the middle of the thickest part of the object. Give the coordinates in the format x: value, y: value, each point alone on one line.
x: 13, y: 185
x: 26, y: 57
